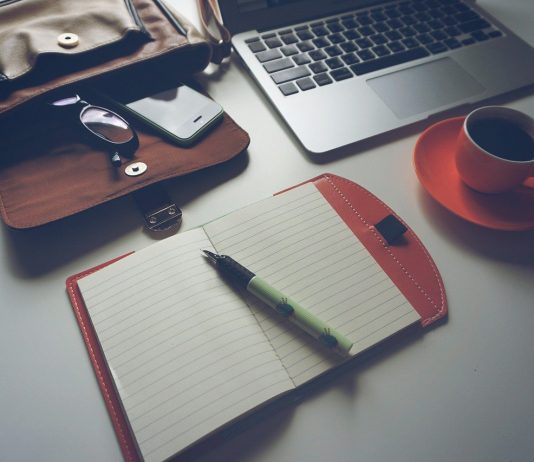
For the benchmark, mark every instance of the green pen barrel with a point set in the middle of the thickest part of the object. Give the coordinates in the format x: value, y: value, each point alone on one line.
x: 297, y: 314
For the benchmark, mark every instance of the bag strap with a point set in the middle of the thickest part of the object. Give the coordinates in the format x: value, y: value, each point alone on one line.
x: 209, y: 13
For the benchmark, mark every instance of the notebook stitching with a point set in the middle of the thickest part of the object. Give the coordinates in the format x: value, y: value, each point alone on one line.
x: 418, y: 242
x: 93, y: 357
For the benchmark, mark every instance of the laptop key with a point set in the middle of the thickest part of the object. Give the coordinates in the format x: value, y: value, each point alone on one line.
x: 305, y: 46
x: 410, y: 42
x: 253, y: 39
x: 351, y: 34
x: 381, y: 50
x: 336, y: 38
x: 480, y: 36
x: 288, y: 89
x: 349, y: 23
x: 322, y: 79
x: 393, y: 35
x: 408, y: 20
x: 335, y: 27
x: 318, y: 67
x: 395, y: 47
x: 341, y: 74
x: 350, y: 58
x: 425, y: 39
x: 423, y: 17
x: 436, y: 47
x: 408, y: 31
x: 365, y: 55
x: 334, y: 63
x: 439, y: 35
x: 364, y: 43
x: 468, y: 41
x: 301, y: 59
x: 366, y: 31
x: 305, y: 35
x: 364, y: 20
x: 333, y: 51
x: 378, y: 17
x: 269, y: 55
x: 320, y: 42
x: 388, y: 61
x: 495, y: 33
x: 289, y: 39
x: 273, y: 42
x: 421, y: 27
x: 395, y: 24
x: 278, y: 65
x: 306, y: 84
x: 317, y: 55
x: 452, y: 43
x: 453, y: 31
x: 378, y: 39
x: 449, y: 21
x: 256, y: 47
x: 381, y: 27
x: 436, y: 24
x: 290, y: 74
x: 436, y: 13
x: 320, y: 31
x: 347, y: 47
x: 289, y: 50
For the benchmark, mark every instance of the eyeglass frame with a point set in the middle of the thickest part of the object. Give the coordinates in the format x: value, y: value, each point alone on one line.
x: 128, y: 147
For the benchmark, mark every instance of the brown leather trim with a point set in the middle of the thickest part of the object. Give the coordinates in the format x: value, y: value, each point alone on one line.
x: 55, y: 175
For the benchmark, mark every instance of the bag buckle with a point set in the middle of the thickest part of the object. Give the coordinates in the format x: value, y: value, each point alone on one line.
x: 158, y: 209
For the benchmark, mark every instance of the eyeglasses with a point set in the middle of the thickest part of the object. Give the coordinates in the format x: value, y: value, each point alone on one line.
x: 107, y: 130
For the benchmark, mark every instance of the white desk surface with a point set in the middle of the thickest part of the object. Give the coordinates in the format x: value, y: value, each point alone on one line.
x: 463, y: 391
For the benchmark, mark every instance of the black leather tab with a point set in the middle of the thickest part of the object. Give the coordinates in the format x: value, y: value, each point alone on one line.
x: 390, y: 228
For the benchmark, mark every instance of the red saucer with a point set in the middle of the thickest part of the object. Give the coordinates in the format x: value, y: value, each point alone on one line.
x: 436, y: 169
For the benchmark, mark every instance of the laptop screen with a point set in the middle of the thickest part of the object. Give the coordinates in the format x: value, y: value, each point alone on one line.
x: 243, y: 15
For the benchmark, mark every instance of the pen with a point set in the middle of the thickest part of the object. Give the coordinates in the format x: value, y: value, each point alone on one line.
x: 284, y: 305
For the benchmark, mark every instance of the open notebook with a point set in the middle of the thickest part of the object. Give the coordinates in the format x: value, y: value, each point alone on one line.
x: 188, y: 353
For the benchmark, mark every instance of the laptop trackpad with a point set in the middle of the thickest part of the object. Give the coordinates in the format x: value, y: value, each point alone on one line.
x: 425, y: 87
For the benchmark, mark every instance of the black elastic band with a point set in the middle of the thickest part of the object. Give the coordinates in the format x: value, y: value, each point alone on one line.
x: 390, y: 228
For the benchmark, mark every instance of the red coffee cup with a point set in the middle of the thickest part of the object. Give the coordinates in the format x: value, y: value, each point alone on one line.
x: 495, y: 149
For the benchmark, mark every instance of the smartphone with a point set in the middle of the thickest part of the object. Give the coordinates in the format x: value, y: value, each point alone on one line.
x: 182, y: 115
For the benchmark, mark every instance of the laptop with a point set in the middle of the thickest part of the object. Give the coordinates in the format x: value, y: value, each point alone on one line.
x: 341, y: 71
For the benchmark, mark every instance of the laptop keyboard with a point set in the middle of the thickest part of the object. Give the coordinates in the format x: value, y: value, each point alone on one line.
x: 324, y: 52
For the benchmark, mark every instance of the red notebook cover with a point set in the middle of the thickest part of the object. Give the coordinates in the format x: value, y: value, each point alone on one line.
x: 406, y: 262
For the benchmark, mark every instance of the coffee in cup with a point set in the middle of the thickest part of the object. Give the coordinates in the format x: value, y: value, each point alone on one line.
x: 495, y: 149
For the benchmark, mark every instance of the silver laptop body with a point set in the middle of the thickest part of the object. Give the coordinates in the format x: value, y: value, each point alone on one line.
x: 426, y: 56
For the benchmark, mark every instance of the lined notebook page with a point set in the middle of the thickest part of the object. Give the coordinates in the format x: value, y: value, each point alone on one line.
x: 298, y: 243
x: 185, y: 351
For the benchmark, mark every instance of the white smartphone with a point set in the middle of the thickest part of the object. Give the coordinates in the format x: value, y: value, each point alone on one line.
x: 182, y: 114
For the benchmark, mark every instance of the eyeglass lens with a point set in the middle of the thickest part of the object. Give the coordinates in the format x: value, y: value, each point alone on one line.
x: 106, y: 124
